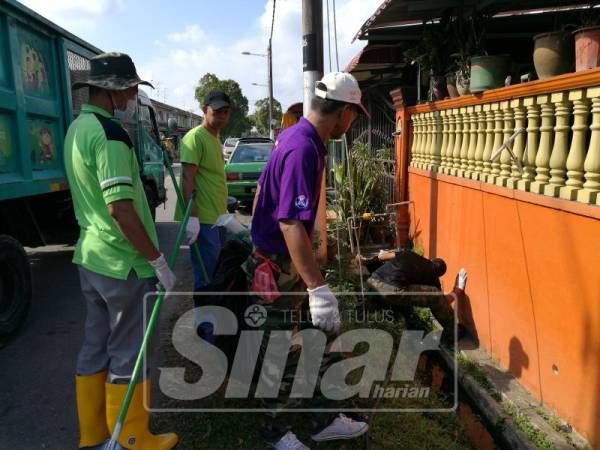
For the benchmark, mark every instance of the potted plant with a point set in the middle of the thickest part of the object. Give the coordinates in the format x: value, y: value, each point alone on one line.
x: 587, y: 40
x: 451, y: 83
x: 553, y: 53
x: 467, y: 40
x: 488, y: 72
x: 362, y: 183
x: 430, y: 54
x: 482, y: 70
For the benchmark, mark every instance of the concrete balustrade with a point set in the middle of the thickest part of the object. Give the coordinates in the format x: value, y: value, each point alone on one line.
x: 489, y: 142
x: 591, y: 167
x: 558, y: 151
x: 508, y: 129
x: 460, y: 125
x: 480, y: 145
x: 518, y: 147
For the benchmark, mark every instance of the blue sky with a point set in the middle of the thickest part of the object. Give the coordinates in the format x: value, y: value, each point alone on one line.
x: 175, y: 42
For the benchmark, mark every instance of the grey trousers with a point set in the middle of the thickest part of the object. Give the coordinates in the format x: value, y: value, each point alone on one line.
x: 114, y: 325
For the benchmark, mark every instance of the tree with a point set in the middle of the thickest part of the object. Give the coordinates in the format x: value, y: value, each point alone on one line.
x: 260, y: 118
x: 239, y: 123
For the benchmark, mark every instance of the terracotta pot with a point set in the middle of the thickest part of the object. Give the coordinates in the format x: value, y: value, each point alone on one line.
x: 553, y: 53
x: 451, y: 85
x: 462, y: 84
x: 587, y: 48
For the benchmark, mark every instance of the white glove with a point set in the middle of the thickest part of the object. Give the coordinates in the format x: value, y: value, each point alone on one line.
x: 165, y: 275
x: 192, y: 229
x: 324, y: 310
x: 461, y: 279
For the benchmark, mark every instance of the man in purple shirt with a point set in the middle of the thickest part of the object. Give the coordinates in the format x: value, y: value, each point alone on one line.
x: 284, y: 213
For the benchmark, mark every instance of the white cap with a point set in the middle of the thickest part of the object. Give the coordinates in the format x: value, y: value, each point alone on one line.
x: 340, y: 86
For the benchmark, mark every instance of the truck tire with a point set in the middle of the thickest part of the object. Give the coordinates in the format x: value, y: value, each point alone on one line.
x: 152, y: 200
x: 15, y: 285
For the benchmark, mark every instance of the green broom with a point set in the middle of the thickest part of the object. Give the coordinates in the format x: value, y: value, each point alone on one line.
x: 112, y: 443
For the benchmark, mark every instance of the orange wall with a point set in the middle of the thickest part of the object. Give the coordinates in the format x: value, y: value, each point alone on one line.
x: 533, y: 288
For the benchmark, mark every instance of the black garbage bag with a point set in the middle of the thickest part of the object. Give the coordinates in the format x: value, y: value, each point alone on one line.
x: 229, y: 277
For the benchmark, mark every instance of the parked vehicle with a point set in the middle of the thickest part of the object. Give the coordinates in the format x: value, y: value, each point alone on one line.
x: 228, y: 146
x: 245, y: 166
x: 38, y: 63
x: 143, y: 129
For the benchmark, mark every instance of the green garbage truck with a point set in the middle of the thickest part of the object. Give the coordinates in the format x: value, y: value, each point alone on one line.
x: 38, y: 63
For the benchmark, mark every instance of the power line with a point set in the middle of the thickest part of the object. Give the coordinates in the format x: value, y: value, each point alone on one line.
x: 328, y: 37
x: 337, y: 58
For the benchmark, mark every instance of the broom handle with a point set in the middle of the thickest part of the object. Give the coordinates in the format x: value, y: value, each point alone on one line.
x: 138, y: 363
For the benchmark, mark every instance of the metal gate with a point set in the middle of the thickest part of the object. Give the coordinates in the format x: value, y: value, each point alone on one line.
x: 378, y: 133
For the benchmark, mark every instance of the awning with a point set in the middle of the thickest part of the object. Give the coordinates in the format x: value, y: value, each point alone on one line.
x: 376, y: 60
x: 393, y: 14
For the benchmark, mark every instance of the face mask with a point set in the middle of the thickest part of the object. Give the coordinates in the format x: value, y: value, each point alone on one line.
x: 126, y: 114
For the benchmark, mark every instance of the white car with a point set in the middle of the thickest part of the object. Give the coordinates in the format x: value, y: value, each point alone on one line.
x: 228, y: 146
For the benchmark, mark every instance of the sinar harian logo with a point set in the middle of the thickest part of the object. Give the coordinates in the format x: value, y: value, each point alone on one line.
x: 255, y: 315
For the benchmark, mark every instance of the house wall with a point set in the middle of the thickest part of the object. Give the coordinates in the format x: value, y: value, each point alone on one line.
x: 533, y: 292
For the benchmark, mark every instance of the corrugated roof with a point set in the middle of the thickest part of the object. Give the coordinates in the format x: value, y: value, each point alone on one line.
x: 399, y: 13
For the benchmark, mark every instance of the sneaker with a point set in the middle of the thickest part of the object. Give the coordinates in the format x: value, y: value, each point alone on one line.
x: 290, y: 442
x: 342, y: 427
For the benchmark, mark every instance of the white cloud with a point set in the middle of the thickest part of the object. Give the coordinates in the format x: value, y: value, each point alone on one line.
x: 180, y: 58
x: 97, y: 7
x: 287, y: 38
x: 75, y: 15
x: 177, y: 68
x: 192, y: 33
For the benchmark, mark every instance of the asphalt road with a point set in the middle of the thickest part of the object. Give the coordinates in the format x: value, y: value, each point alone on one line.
x: 37, y: 366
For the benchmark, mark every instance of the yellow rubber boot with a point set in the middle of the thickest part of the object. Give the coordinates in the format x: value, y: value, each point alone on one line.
x: 135, y: 433
x: 91, y: 409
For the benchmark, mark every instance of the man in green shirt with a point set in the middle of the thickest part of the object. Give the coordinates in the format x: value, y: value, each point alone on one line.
x: 117, y: 254
x: 203, y: 170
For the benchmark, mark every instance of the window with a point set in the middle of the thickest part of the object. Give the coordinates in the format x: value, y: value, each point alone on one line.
x: 250, y: 153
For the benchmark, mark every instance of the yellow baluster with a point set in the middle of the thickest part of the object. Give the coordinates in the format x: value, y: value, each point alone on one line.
x: 458, y: 137
x: 445, y: 127
x: 472, y: 140
x: 480, y: 147
x: 422, y: 139
x: 576, y: 156
x: 542, y: 158
x: 560, y: 150
x: 519, y: 142
x: 424, y: 163
x: 436, y: 145
x: 414, y: 152
x: 464, y: 148
x: 533, y: 141
x: 498, y: 135
x: 489, y: 142
x: 451, y: 139
x: 509, y: 128
x: 591, y: 187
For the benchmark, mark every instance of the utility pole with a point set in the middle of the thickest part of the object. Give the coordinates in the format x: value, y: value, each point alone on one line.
x: 312, y: 59
x: 270, y: 60
x: 312, y: 48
